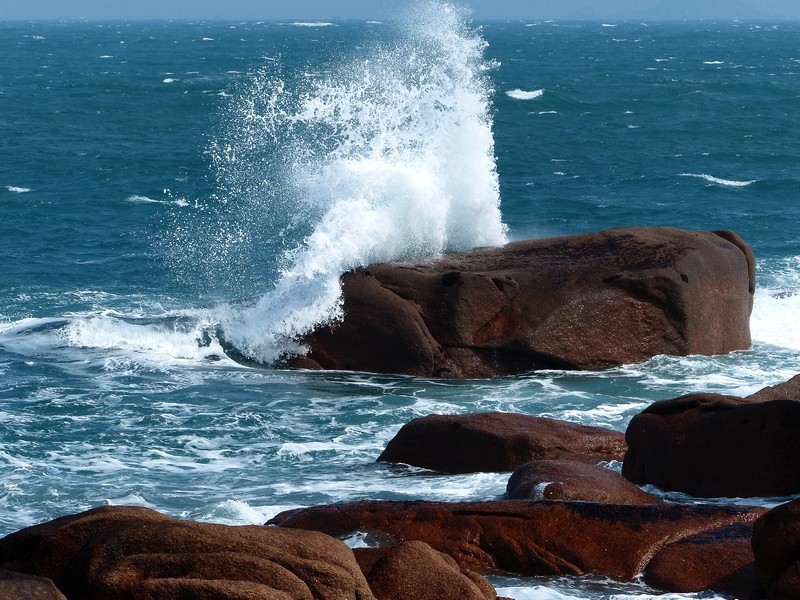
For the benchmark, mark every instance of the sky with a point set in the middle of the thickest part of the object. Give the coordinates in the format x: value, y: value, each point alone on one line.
x: 382, y: 9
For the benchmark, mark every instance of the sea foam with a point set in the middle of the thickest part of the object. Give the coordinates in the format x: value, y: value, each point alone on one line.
x: 385, y: 156
x: 719, y: 181
x: 519, y: 94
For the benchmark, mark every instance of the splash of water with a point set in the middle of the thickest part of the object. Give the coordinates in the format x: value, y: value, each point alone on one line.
x: 383, y: 157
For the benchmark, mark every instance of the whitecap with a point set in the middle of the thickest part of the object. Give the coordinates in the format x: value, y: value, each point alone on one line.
x: 170, y: 80
x: 719, y: 181
x: 311, y: 24
x: 609, y: 25
x: 17, y: 190
x: 239, y: 512
x: 713, y: 62
x: 141, y: 199
x: 519, y: 94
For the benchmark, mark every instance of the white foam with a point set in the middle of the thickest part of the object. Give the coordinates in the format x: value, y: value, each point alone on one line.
x: 170, y: 80
x: 719, y: 181
x: 519, y: 94
x: 311, y: 24
x: 139, y: 199
x: 151, y: 342
x: 17, y: 190
x: 713, y: 62
x: 391, y: 156
x: 776, y: 305
x: 239, y: 512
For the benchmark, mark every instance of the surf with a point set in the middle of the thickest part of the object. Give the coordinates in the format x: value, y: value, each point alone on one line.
x: 384, y: 155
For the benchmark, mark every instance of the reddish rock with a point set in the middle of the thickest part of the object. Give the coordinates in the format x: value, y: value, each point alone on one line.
x: 570, y: 480
x: 580, y: 302
x: 789, y: 390
x: 709, y: 445
x: 720, y: 560
x: 498, y: 442
x: 415, y: 571
x: 776, y: 545
x: 124, y: 552
x: 17, y: 586
x: 526, y: 537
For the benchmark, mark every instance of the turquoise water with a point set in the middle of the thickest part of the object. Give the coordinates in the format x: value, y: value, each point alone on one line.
x: 167, y: 187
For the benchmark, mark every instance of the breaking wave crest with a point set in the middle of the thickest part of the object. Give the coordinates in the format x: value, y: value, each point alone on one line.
x: 388, y: 155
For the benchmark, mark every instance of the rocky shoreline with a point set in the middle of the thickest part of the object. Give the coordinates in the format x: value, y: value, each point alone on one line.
x: 582, y: 302
x: 560, y: 516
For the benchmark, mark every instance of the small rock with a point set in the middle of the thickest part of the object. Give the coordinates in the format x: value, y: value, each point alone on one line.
x: 570, y: 480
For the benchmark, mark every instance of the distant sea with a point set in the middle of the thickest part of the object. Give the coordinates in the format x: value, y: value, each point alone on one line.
x: 172, y: 191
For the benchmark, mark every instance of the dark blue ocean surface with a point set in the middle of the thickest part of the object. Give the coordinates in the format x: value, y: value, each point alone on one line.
x: 165, y: 186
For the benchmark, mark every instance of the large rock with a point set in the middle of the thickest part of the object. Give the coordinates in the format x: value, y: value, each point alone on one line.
x: 415, y: 571
x: 114, y: 552
x: 570, y: 480
x: 580, y: 302
x: 527, y: 537
x: 719, y: 560
x: 709, y: 445
x: 497, y: 441
x: 776, y: 544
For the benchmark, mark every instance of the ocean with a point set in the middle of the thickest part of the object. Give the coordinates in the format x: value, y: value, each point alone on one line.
x: 179, y: 199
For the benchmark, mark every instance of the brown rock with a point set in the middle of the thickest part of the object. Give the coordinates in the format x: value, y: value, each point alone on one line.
x: 498, y: 442
x: 121, y: 552
x: 709, y: 445
x: 17, y: 586
x: 789, y: 390
x: 526, y: 537
x: 570, y: 480
x: 776, y: 545
x: 720, y: 560
x: 415, y: 571
x: 580, y: 302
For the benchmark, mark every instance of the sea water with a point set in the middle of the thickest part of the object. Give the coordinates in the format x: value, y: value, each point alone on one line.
x: 178, y: 200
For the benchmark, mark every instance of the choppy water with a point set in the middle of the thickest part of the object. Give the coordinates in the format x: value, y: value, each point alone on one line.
x: 168, y: 188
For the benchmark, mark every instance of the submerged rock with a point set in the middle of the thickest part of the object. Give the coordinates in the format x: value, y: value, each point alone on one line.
x: 579, y: 302
x: 570, y: 480
x: 710, y: 445
x: 527, y: 537
x: 497, y: 441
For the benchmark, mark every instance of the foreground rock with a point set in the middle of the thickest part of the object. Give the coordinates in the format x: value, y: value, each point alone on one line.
x: 123, y: 552
x: 415, y: 571
x: 569, y: 480
x: 720, y: 560
x: 528, y: 538
x: 580, y: 302
x: 776, y: 544
x: 710, y: 445
x: 496, y: 441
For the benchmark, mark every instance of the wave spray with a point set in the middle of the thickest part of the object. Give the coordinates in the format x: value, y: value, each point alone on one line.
x: 383, y: 157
